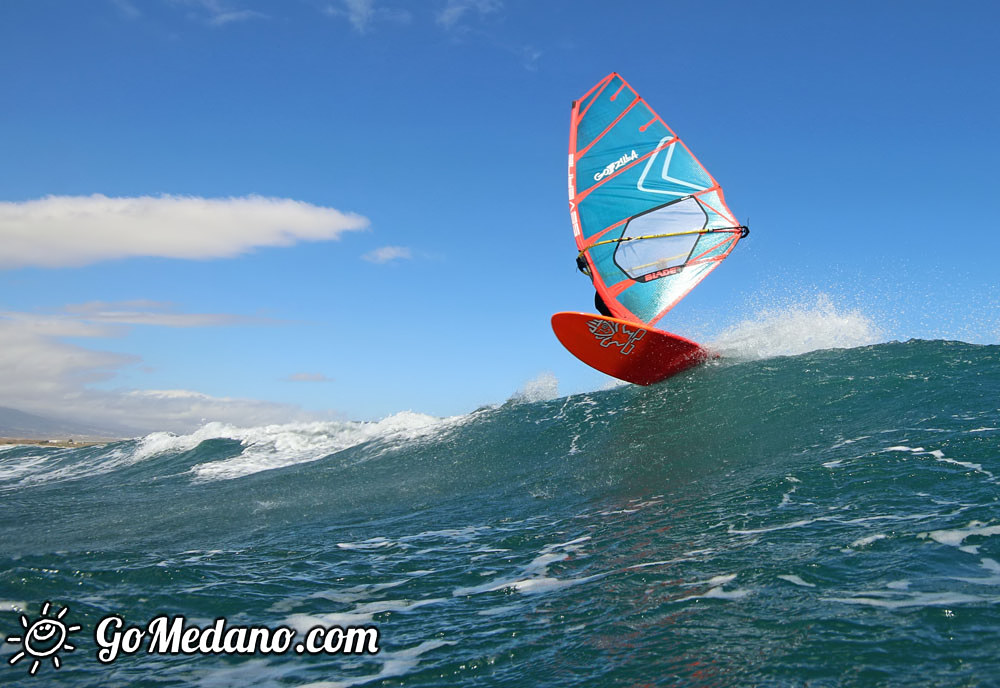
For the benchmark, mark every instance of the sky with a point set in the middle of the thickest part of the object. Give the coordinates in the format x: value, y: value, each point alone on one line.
x: 256, y: 211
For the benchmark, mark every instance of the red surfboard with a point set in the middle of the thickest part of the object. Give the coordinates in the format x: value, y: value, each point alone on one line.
x: 626, y: 350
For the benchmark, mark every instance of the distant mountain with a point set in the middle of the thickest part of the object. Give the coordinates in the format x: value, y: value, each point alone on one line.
x: 14, y: 423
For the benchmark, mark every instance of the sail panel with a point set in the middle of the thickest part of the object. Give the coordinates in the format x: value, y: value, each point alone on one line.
x: 610, y: 153
x: 673, y: 172
x: 609, y: 100
x: 643, y: 299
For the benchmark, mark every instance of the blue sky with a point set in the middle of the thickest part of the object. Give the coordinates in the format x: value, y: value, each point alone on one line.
x: 359, y: 207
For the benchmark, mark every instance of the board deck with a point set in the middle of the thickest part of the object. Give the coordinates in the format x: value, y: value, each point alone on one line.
x: 626, y: 350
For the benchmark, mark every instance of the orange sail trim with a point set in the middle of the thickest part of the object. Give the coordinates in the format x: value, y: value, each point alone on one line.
x: 697, y: 258
x: 602, y: 86
x: 611, y: 126
x: 617, y: 289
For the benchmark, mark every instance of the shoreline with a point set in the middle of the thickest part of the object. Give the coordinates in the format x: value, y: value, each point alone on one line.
x: 63, y: 443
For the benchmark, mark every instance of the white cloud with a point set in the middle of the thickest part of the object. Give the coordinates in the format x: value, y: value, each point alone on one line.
x: 108, y: 319
x: 45, y: 375
x: 529, y: 57
x: 459, y: 18
x: 153, y: 313
x: 450, y: 17
x: 386, y: 254
x: 126, y: 8
x: 363, y: 14
x: 222, y: 18
x: 58, y: 231
x: 219, y: 13
x: 360, y: 13
x: 179, y: 410
x: 308, y: 377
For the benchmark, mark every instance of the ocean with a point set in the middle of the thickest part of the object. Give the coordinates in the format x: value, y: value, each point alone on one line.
x: 827, y: 518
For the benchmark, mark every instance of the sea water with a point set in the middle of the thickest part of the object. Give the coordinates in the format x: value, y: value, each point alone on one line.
x: 819, y: 517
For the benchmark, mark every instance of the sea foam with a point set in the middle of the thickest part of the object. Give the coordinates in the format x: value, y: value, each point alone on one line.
x: 795, y: 329
x: 277, y: 446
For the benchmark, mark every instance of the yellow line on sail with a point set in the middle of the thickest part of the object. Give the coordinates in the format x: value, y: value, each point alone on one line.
x: 657, y: 236
x: 633, y: 268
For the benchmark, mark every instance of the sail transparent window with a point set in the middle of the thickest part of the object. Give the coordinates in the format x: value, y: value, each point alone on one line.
x: 668, y: 244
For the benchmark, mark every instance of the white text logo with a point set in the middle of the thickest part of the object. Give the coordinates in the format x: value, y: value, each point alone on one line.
x: 627, y: 158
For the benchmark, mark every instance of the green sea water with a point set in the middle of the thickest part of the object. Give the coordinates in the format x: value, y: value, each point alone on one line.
x: 824, y: 519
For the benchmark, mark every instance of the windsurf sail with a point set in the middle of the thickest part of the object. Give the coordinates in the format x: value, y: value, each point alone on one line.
x: 648, y: 218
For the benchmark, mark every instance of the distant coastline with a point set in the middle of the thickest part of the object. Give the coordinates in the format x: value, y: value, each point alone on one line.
x: 62, y: 443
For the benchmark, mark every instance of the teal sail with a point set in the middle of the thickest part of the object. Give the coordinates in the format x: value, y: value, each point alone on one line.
x: 648, y: 218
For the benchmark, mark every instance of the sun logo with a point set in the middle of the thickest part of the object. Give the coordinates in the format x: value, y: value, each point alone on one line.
x: 43, y: 638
